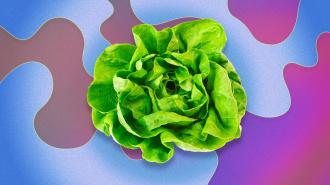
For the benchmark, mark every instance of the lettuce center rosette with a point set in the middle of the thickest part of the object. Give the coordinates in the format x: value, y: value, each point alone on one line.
x: 174, y: 87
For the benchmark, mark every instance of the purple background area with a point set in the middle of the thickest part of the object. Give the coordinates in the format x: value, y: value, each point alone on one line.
x: 269, y: 21
x: 293, y: 148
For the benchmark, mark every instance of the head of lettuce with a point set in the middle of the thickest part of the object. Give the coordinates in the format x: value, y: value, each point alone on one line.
x: 175, y: 86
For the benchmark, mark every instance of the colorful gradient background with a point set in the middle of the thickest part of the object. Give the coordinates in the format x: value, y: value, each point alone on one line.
x: 280, y: 48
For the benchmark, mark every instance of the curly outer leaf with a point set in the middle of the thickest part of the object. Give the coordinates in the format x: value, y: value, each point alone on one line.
x: 205, y: 34
x: 101, y: 96
x: 148, y: 38
x: 114, y: 58
x: 174, y: 87
x: 221, y: 93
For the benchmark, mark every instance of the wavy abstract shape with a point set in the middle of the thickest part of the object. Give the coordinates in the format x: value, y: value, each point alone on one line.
x: 259, y: 65
x: 23, y: 19
x: 25, y: 159
x: 269, y: 21
x: 63, y: 113
x: 64, y: 121
x: 293, y: 148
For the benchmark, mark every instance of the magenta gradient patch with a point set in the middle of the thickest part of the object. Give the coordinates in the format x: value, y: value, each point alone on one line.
x: 269, y: 21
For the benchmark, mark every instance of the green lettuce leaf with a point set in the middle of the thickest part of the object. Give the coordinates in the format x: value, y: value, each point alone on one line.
x: 174, y: 87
